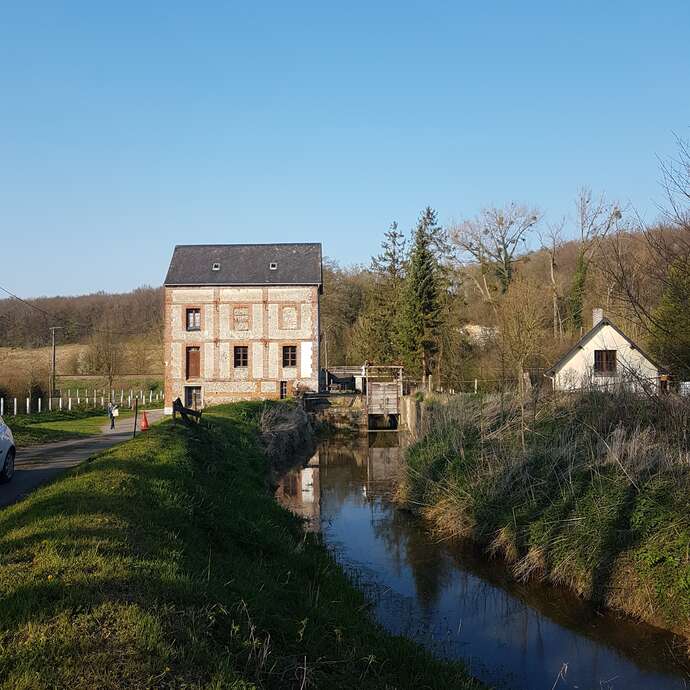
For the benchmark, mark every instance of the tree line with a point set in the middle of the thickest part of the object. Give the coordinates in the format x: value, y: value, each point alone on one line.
x: 504, y: 293
x: 489, y: 297
x: 137, y: 313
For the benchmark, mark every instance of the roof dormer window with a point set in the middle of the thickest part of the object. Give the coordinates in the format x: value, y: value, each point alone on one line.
x: 273, y: 265
x: 215, y: 266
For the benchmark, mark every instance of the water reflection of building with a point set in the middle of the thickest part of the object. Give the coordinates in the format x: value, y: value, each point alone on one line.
x: 299, y: 490
x: 371, y: 461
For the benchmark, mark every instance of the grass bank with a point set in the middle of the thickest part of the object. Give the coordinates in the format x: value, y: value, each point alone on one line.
x: 166, y: 563
x: 598, y: 501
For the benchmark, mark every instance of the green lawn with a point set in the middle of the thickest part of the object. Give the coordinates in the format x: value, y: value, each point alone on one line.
x: 166, y: 563
x: 31, y: 430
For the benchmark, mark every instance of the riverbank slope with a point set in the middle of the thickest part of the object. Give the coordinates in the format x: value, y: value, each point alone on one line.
x: 598, y: 500
x: 165, y: 562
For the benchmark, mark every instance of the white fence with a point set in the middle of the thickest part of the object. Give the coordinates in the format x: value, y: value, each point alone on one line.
x: 80, y: 398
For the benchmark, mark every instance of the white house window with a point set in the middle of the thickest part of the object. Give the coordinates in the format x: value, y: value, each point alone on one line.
x: 215, y: 266
x: 605, y: 362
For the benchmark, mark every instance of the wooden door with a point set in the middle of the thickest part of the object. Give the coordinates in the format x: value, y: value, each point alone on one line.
x: 193, y: 363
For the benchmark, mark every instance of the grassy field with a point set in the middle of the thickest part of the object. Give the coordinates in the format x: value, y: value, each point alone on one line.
x: 21, y: 364
x: 34, y: 429
x: 599, y: 501
x: 166, y: 563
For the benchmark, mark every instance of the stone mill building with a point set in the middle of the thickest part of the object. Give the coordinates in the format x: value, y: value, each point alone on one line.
x: 241, y: 322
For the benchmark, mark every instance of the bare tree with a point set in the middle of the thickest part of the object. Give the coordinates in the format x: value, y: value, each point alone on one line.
x: 106, y: 352
x: 551, y: 242
x: 493, y: 239
x: 595, y: 218
x: 522, y: 320
x: 647, y: 263
x: 676, y: 182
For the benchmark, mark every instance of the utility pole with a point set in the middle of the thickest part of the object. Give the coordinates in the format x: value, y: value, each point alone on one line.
x: 53, y: 369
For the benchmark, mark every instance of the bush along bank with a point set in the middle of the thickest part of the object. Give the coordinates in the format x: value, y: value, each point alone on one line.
x: 598, y: 500
x: 166, y: 563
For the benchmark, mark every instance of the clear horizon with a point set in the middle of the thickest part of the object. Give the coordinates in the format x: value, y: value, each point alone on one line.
x: 129, y: 129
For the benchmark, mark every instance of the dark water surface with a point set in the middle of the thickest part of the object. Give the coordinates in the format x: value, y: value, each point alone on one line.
x: 460, y: 603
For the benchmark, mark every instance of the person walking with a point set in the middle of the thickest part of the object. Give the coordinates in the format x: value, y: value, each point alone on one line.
x: 111, y: 414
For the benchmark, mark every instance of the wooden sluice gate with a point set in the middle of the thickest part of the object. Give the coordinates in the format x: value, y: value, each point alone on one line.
x: 364, y: 397
x: 383, y: 390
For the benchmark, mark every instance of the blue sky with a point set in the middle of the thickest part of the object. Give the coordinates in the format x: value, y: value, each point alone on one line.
x: 128, y: 127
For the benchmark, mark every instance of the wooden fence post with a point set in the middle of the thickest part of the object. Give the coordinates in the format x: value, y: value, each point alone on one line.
x: 15, y: 407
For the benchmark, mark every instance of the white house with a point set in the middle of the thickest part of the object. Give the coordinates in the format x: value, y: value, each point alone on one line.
x: 606, y: 357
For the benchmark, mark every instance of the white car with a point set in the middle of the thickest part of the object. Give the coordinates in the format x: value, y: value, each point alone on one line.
x: 7, y: 453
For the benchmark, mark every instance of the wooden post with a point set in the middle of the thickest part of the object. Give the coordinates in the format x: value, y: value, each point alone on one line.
x: 475, y: 386
x: 136, y: 414
x: 28, y: 406
x: 69, y: 403
x: 15, y: 407
x: 2, y: 407
x: 39, y: 404
x: 60, y: 404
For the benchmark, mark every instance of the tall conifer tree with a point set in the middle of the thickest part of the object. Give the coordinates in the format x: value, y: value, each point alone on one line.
x: 420, y: 310
x: 374, y: 335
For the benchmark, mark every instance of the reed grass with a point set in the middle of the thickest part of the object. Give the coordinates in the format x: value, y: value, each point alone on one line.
x: 599, y: 500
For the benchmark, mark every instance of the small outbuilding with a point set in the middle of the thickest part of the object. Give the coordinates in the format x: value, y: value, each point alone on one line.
x: 606, y: 357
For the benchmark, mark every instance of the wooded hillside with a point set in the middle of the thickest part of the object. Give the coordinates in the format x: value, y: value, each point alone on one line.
x: 455, y: 303
x: 136, y: 313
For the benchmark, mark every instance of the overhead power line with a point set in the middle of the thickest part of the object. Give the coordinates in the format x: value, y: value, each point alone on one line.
x: 71, y: 323
x: 23, y: 301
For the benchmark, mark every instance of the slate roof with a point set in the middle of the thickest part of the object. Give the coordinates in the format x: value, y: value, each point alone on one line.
x: 245, y: 264
x: 578, y: 345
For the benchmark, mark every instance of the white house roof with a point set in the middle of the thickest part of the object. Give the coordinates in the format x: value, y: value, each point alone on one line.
x: 593, y: 331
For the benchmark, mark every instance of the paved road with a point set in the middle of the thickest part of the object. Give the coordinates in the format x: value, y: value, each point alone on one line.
x: 39, y: 464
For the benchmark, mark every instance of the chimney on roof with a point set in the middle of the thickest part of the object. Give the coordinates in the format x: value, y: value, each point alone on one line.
x: 597, y: 315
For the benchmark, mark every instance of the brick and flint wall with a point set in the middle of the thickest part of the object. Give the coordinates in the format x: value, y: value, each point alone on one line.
x: 263, y: 319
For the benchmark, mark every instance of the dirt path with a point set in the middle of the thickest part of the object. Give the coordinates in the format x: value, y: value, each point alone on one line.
x: 39, y: 464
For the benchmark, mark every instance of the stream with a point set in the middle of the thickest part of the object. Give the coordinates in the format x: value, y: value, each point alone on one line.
x: 458, y: 602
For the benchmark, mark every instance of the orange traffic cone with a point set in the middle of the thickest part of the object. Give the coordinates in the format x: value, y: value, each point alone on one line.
x: 144, y: 421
